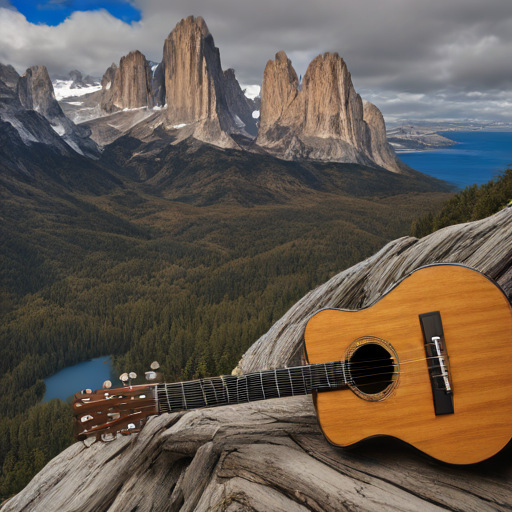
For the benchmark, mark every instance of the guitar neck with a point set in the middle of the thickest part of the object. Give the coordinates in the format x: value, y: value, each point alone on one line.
x: 232, y: 389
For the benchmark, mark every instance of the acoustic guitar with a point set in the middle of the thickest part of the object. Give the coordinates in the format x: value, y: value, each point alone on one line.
x: 429, y: 363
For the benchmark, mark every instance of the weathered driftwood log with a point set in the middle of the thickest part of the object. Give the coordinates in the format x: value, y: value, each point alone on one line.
x: 271, y: 456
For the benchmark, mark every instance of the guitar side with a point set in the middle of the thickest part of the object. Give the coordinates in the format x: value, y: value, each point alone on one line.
x: 477, y: 323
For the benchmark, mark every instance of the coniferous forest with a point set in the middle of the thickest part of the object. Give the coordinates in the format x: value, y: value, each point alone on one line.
x: 90, y: 269
x: 473, y: 203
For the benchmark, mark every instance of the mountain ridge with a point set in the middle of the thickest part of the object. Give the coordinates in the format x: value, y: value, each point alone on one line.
x: 322, y: 120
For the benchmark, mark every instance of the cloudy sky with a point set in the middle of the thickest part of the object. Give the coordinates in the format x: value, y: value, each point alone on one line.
x: 415, y: 59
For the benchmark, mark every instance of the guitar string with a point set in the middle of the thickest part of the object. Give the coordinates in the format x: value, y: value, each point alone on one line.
x: 289, y: 380
x: 364, y: 376
x: 256, y: 389
x: 179, y: 383
x: 138, y: 409
x: 205, y: 403
x: 193, y: 395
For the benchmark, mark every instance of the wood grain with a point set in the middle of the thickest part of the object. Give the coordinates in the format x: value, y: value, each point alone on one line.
x: 477, y: 322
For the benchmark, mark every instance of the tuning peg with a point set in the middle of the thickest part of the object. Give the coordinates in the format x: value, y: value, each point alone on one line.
x: 132, y: 375
x: 124, y: 378
x: 86, y: 391
x: 150, y: 375
x: 155, y: 365
x: 107, y: 384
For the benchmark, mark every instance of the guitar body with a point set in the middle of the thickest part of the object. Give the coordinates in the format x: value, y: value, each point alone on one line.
x: 477, y: 323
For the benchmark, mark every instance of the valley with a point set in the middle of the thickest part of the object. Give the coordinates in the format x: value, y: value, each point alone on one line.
x: 187, y: 261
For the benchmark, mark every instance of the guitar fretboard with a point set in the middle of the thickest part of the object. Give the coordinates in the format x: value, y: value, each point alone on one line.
x: 282, y: 382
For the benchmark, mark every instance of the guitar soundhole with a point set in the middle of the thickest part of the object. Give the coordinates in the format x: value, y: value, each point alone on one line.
x: 373, y: 370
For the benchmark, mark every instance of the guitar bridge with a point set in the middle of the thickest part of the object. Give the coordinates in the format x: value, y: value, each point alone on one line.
x: 438, y: 362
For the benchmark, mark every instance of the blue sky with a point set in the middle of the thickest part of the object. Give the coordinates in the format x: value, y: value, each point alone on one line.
x: 54, y: 12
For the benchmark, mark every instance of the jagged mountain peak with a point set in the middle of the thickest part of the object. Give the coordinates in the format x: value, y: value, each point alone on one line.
x: 35, y: 90
x: 280, y: 87
x: 195, y: 84
x: 132, y: 83
x: 323, y: 118
x: 32, y: 111
x: 320, y: 117
x: 9, y: 75
x: 193, y: 24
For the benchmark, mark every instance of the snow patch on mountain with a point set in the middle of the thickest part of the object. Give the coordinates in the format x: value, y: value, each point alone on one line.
x: 251, y: 91
x: 59, y: 129
x: 25, y: 135
x: 63, y: 89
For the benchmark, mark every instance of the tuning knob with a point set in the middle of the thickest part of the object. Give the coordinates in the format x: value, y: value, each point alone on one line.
x: 150, y: 375
x: 132, y: 375
x: 124, y: 378
x: 107, y: 384
x: 155, y: 365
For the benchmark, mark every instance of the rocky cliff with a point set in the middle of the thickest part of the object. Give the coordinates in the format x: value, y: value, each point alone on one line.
x: 324, y: 120
x: 35, y: 91
x: 194, y: 83
x: 378, y: 147
x: 240, y: 107
x: 28, y: 105
x: 195, y: 97
x: 271, y: 456
x: 129, y: 85
x: 8, y: 87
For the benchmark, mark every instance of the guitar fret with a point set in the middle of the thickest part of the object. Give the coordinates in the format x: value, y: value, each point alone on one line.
x: 344, y: 375
x: 184, y: 398
x: 167, y: 394
x: 262, y: 389
x: 291, y: 383
x: 277, y: 384
x: 326, y: 375
x: 226, y: 388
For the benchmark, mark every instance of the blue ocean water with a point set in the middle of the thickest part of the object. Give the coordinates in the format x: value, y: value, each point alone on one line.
x: 89, y: 374
x: 477, y: 158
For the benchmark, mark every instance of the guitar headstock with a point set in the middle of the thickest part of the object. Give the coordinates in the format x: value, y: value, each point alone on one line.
x: 105, y: 412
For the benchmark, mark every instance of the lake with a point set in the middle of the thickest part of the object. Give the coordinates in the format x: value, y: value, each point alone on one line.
x: 477, y: 158
x: 89, y: 374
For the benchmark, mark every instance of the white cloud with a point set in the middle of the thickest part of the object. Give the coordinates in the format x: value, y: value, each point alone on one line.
x: 430, y: 57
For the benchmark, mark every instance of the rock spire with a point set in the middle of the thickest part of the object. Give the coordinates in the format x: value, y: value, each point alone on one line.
x: 133, y: 82
x: 129, y: 85
x: 35, y: 90
x: 324, y: 119
x: 35, y: 93
x: 200, y: 99
x: 194, y: 84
